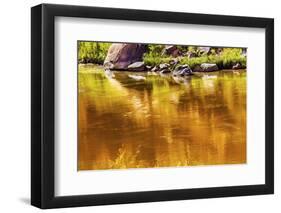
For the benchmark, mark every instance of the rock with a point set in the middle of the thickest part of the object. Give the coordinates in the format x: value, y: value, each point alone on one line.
x: 164, y: 66
x: 120, y: 56
x: 171, y: 50
x: 148, y: 67
x: 182, y: 70
x: 191, y: 54
x: 204, y: 50
x: 165, y: 71
x: 218, y: 50
x: 155, y: 69
x: 137, y: 66
x: 197, y: 68
x: 236, y: 66
x: 108, y: 65
x: 207, y: 67
x: 182, y: 66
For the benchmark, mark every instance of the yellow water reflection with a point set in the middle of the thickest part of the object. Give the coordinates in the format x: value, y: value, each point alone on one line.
x: 160, y: 121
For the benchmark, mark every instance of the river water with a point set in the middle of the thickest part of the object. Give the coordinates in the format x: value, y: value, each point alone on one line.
x: 140, y: 120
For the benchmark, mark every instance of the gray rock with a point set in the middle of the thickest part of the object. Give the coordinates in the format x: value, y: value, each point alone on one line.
x: 165, y: 71
x: 182, y: 70
x: 164, y: 66
x: 148, y: 67
x: 218, y: 50
x: 108, y: 65
x: 236, y: 66
x: 155, y: 69
x: 197, y: 68
x: 191, y: 54
x: 207, y: 67
x: 137, y: 66
x: 204, y: 50
x: 122, y: 55
x: 171, y: 50
x: 182, y: 66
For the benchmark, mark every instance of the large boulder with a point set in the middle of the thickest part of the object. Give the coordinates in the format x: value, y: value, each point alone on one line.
x: 120, y: 56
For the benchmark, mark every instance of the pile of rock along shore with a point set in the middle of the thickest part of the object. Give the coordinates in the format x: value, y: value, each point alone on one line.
x: 129, y: 57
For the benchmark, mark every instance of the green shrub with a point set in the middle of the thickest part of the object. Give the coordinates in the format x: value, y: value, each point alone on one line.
x: 227, y: 58
x: 92, y: 52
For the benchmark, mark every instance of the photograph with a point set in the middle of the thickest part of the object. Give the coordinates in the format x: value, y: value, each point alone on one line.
x: 133, y: 105
x: 160, y: 105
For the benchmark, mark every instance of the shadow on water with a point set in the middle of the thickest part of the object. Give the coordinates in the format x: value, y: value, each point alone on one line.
x: 140, y: 120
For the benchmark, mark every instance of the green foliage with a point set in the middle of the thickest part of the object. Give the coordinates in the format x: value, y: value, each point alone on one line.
x: 95, y: 52
x: 153, y: 61
x: 192, y: 62
x: 225, y: 60
x: 154, y: 50
x: 92, y: 52
x: 231, y: 56
x: 192, y: 49
x: 154, y: 55
x: 182, y: 48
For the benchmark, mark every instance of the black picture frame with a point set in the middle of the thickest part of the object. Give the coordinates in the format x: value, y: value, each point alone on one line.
x: 43, y: 102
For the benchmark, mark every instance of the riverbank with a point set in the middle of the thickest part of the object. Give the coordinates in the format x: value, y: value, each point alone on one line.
x: 175, y: 59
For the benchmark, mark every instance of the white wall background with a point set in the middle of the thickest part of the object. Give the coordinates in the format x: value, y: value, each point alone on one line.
x: 15, y: 105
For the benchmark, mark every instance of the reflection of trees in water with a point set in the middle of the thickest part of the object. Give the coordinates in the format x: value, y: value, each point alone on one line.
x: 160, y: 122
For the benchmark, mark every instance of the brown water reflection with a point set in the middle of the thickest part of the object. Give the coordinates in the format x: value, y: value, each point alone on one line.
x: 160, y: 121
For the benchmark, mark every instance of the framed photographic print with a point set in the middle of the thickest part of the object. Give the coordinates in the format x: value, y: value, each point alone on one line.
x: 139, y: 106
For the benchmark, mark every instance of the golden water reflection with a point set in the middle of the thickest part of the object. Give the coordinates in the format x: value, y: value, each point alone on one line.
x: 160, y: 121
